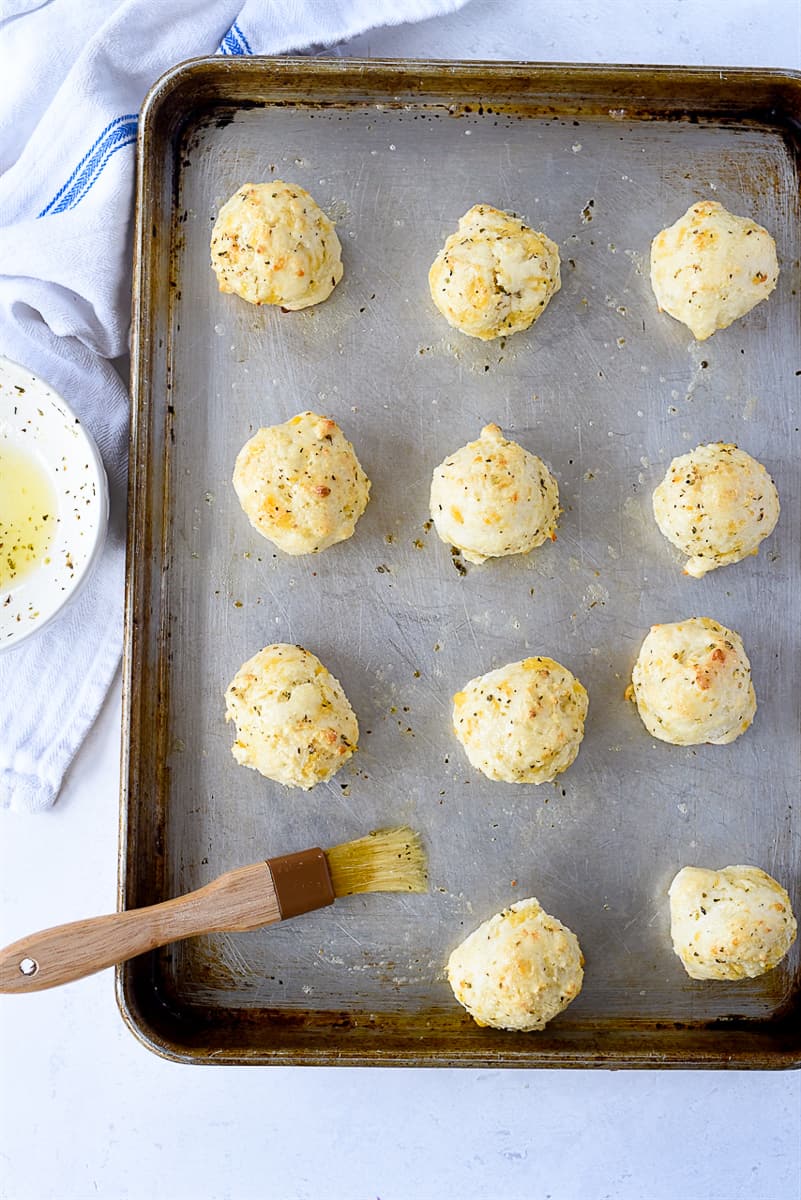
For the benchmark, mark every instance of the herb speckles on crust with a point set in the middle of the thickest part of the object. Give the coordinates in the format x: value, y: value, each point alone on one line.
x: 692, y: 683
x: 494, y: 276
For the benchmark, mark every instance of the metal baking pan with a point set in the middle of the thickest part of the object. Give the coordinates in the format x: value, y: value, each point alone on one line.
x: 607, y: 391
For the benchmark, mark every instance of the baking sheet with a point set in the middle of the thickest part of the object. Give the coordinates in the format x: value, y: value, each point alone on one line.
x: 607, y: 391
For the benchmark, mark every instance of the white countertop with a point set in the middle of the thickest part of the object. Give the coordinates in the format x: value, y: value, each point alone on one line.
x: 86, y: 1111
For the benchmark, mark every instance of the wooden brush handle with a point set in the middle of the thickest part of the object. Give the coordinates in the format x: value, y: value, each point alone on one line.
x: 239, y: 900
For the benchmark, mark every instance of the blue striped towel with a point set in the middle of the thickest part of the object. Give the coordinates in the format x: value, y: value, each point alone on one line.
x: 74, y: 77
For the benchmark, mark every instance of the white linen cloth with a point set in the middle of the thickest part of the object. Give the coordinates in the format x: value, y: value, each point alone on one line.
x: 75, y: 73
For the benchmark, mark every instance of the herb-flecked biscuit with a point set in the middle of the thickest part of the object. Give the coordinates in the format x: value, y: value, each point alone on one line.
x: 272, y: 244
x: 692, y: 683
x: 734, y: 923
x: 492, y: 497
x: 301, y: 484
x: 522, y: 723
x: 494, y: 276
x: 711, y: 267
x: 293, y: 720
x: 518, y: 970
x: 716, y: 504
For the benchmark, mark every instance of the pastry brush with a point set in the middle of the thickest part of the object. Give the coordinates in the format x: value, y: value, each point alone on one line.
x: 388, y: 860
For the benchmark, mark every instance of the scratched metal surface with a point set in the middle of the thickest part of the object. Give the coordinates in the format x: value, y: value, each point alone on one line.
x: 606, y: 391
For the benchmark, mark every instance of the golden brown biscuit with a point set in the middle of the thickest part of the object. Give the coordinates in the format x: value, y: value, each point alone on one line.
x: 491, y: 498
x: 522, y: 723
x: 518, y: 970
x: 716, y: 504
x: 711, y: 267
x: 692, y: 683
x: 494, y: 276
x: 301, y: 484
x: 293, y: 720
x: 730, y: 924
x: 272, y: 244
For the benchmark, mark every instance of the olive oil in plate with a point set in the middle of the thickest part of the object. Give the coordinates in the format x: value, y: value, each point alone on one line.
x: 28, y: 515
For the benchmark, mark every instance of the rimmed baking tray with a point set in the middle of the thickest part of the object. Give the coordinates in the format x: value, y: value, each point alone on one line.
x: 607, y: 391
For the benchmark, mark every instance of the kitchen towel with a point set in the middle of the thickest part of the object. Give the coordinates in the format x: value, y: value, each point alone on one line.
x: 75, y: 75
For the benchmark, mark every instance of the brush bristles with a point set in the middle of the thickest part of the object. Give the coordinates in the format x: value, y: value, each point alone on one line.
x: 388, y: 860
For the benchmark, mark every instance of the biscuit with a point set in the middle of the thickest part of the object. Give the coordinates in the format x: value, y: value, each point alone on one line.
x: 272, y: 244
x: 494, y: 276
x: 522, y: 723
x: 716, y: 504
x: 301, y: 484
x: 491, y: 498
x: 293, y: 720
x: 692, y: 683
x: 712, y: 267
x: 518, y: 970
x: 730, y: 924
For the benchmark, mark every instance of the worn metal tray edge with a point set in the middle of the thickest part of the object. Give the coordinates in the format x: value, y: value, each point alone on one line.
x: 185, y: 1037
x: 774, y: 94
x: 166, y: 1030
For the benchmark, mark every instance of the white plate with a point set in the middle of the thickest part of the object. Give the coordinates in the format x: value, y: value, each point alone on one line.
x: 34, y: 419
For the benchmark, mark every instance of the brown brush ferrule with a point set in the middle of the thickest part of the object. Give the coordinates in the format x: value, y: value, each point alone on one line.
x: 302, y: 882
